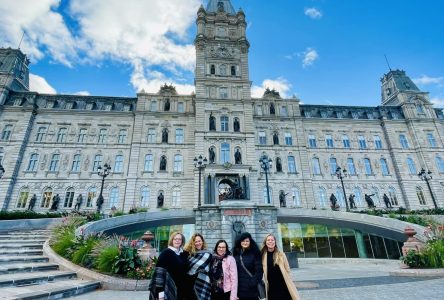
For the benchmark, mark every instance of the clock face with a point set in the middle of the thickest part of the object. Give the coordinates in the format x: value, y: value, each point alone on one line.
x: 222, y: 52
x: 221, y: 31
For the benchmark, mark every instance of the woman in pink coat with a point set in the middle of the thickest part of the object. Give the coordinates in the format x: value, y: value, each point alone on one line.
x: 223, y: 273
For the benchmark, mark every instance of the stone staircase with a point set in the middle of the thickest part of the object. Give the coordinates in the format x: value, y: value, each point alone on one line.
x: 26, y: 274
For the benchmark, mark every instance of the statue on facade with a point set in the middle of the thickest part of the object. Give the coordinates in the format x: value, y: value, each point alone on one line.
x: 163, y: 163
x: 334, y: 202
x: 160, y: 200
x: 55, y: 202
x: 237, y: 157
x: 369, y: 200
x: 278, y: 165
x: 32, y: 202
x: 167, y: 105
x: 99, y: 203
x: 282, y: 198
x: 212, y: 122
x: 275, y: 139
x: 236, y: 125
x: 272, y: 110
x: 387, y: 202
x: 351, y: 199
x: 165, y: 135
x: 79, y: 201
x: 211, y: 155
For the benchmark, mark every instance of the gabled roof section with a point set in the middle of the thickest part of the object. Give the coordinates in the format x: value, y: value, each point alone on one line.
x: 215, y: 6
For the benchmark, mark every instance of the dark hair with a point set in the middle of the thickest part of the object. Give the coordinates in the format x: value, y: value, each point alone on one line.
x: 228, y: 252
x: 237, y: 249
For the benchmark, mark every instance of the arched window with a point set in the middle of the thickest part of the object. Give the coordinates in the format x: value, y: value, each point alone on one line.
x: 122, y: 136
x: 296, y: 196
x: 432, y: 140
x: 82, y: 137
x: 278, y: 164
x: 75, y: 167
x: 345, y: 142
x: 178, y: 163
x: 224, y: 153
x: 411, y: 165
x: 118, y: 165
x: 61, y: 135
x: 69, y: 197
x: 148, y: 166
x: 291, y: 164
x: 97, y: 162
x: 91, y: 197
x: 403, y: 141
x: 333, y: 165
x: 224, y: 123
x: 114, y: 197
x: 144, y: 196
x: 392, y: 196
x: 266, y: 199
x: 41, y: 133
x: 420, y: 196
x: 439, y: 164
x: 46, y: 197
x: 358, y: 196
x: 315, y: 165
x: 32, y: 165
x: 384, y: 167
x: 340, y: 196
x: 212, y: 70
x: 102, y: 136
x: 54, y: 164
x: 322, y: 197
x: 368, y: 166
x: 351, y: 166
x: 23, y: 198
x: 175, y: 200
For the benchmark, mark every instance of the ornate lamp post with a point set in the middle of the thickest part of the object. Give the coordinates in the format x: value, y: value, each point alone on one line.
x: 266, y: 164
x: 200, y: 163
x: 102, y: 172
x: 427, y: 176
x: 341, y: 174
x: 2, y: 170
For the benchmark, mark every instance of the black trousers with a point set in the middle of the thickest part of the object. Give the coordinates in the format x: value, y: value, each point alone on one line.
x: 224, y: 296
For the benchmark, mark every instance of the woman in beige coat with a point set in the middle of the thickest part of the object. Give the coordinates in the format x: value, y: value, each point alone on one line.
x: 277, y: 276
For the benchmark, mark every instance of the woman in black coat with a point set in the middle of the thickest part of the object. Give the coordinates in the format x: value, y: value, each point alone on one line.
x: 247, y: 256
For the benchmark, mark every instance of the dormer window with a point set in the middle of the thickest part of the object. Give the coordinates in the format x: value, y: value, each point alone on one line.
x: 420, y: 108
x: 388, y: 91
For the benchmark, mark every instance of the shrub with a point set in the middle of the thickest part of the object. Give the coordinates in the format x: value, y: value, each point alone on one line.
x: 82, y: 253
x: 118, y: 213
x: 106, y: 259
x: 63, y: 239
x: 27, y: 214
x: 145, y: 271
x: 126, y: 261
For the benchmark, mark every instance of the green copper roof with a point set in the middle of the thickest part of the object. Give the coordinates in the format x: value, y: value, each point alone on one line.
x: 217, y: 5
x: 402, y: 81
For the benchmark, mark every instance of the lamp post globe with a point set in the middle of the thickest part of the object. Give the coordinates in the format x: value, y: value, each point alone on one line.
x: 266, y: 164
x: 200, y: 163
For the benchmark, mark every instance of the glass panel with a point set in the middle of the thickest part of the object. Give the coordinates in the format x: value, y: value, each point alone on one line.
x: 378, y: 246
x: 392, y: 249
x: 351, y: 248
x: 337, y: 247
x: 309, y: 239
x: 368, y: 246
x: 322, y: 241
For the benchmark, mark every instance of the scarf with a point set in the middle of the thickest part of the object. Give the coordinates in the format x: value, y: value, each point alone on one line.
x: 199, y: 265
x: 217, y: 274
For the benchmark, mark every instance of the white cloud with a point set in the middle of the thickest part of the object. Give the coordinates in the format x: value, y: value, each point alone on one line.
x: 151, y: 81
x: 82, y: 93
x: 280, y: 84
x: 438, y: 101
x: 309, y: 56
x: 40, y: 85
x: 44, y: 28
x: 425, y: 80
x: 313, y: 13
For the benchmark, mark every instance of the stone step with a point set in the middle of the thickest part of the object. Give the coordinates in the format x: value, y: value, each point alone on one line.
x: 4, y: 259
x: 23, y: 237
x: 34, y: 278
x: 18, y: 242
x: 20, y: 251
x: 27, y: 267
x: 51, y: 290
x: 27, y: 245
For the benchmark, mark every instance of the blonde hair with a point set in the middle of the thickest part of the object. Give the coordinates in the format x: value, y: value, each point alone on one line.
x: 170, y: 240
x: 191, y: 248
x: 277, y: 254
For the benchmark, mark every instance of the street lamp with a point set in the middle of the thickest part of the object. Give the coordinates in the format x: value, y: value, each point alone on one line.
x: 200, y: 163
x: 427, y: 176
x: 266, y: 164
x: 102, y: 172
x: 2, y: 170
x: 341, y: 174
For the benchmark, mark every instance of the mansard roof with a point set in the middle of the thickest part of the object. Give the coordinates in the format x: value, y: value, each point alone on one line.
x: 213, y: 6
x: 401, y: 80
x: 351, y: 112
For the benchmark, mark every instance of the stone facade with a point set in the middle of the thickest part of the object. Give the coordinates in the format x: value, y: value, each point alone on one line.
x: 53, y: 144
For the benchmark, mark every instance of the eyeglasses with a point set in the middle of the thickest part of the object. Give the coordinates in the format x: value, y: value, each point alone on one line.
x: 221, y: 247
x: 177, y: 239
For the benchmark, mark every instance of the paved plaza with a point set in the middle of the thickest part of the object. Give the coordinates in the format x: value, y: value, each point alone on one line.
x: 338, y: 279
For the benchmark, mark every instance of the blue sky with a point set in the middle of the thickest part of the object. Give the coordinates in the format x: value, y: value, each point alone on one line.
x: 322, y: 51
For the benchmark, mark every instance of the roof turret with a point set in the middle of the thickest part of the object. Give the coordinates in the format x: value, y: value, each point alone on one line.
x: 215, y: 6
